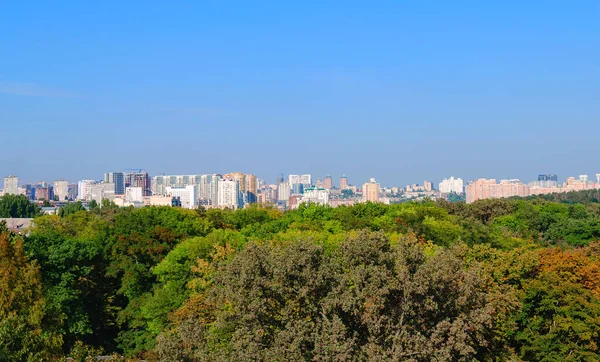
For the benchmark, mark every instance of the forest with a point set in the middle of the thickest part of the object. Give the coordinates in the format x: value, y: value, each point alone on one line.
x: 496, y: 280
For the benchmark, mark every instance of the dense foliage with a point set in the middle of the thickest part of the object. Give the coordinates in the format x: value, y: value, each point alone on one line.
x: 420, y: 281
x: 17, y: 206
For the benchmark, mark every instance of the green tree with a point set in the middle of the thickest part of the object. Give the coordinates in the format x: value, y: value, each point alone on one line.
x: 17, y: 206
x: 559, y: 321
x: 93, y: 205
x: 26, y: 332
x: 71, y: 208
x: 295, y: 302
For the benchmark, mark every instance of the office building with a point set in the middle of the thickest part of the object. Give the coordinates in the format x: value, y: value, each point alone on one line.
x: 548, y: 177
x: 61, y: 190
x: 343, y: 182
x: 229, y: 194
x: 451, y: 185
x: 371, y: 191
x: 297, y: 189
x: 316, y: 195
x: 305, y: 180
x: 11, y: 185
x: 583, y: 178
x: 117, y: 178
x: 547, y: 180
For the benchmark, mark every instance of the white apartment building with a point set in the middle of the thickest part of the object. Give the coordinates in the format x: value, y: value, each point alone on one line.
x: 11, y: 185
x: 283, y: 192
x: 316, y: 195
x: 229, y: 194
x: 84, y: 190
x: 102, y: 191
x: 134, y: 194
x: 451, y: 184
x: 186, y: 194
x: 206, y: 185
x: 305, y: 180
x: 61, y: 189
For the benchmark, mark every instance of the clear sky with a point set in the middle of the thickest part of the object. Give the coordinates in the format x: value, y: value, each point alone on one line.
x: 398, y: 90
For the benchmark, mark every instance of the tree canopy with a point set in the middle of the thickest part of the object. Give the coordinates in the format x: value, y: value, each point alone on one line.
x: 421, y: 281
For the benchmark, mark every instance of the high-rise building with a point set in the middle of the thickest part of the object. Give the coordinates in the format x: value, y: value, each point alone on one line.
x: 427, y: 186
x: 11, y: 185
x: 101, y: 191
x: 548, y: 177
x: 328, y: 182
x: 297, y: 189
x: 229, y: 193
x: 598, y: 178
x: 84, y: 190
x: 61, y: 190
x: 283, y: 192
x: 139, y: 179
x: 117, y: 178
x: 449, y: 185
x: 343, y: 182
x: 583, y: 178
x: 371, y: 190
x: 44, y: 193
x: 489, y: 189
x: 305, y: 180
x: 73, y: 192
x: 247, y: 185
x: 280, y: 179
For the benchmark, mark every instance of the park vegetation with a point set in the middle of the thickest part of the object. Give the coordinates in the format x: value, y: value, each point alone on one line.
x: 421, y: 281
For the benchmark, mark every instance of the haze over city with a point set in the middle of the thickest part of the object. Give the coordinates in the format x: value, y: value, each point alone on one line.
x: 400, y: 91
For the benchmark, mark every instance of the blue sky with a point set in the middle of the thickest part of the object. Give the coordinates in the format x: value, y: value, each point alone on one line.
x: 398, y: 90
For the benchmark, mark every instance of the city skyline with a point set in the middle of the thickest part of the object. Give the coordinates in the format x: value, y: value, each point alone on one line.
x: 530, y: 177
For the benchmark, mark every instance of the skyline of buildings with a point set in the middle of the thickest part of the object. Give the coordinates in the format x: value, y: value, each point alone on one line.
x: 237, y: 189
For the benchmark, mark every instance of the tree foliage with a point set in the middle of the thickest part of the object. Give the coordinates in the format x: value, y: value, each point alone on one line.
x: 419, y: 281
x: 17, y: 206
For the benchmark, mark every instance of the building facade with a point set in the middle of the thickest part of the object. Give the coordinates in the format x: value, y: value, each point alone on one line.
x: 185, y: 194
x: 343, y: 182
x: 490, y: 189
x: 84, y: 190
x: 371, y: 191
x: 283, y: 192
x: 61, y: 190
x: 451, y: 185
x: 316, y: 195
x: 229, y: 194
x: 117, y: 178
x: 328, y: 182
x: 139, y: 179
x: 11, y: 185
